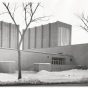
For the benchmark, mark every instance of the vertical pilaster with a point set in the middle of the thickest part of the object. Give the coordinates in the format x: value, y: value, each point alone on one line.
x: 35, y: 37
x: 9, y: 35
x: 1, y: 33
x: 17, y: 35
x: 42, y: 36
x: 29, y: 38
x: 60, y: 36
x: 23, y: 42
x: 70, y: 35
x: 49, y: 34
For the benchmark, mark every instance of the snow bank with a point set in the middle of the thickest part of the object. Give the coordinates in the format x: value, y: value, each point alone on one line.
x: 58, y: 77
x: 55, y: 77
x: 7, y: 77
x: 47, y: 77
x: 43, y: 72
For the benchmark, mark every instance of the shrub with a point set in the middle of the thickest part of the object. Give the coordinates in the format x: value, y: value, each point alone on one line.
x: 81, y: 67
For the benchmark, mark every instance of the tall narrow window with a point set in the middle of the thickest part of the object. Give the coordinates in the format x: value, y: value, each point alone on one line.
x: 63, y: 36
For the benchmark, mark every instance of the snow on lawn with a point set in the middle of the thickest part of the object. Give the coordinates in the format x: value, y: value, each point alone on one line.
x: 7, y: 77
x: 58, y: 77
x: 73, y: 75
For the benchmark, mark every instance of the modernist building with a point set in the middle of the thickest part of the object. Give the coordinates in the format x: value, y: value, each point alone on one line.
x: 46, y: 37
x: 50, y: 43
x: 8, y: 35
x: 49, y: 35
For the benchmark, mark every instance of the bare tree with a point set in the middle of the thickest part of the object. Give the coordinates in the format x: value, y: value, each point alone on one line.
x: 29, y: 11
x: 84, y: 21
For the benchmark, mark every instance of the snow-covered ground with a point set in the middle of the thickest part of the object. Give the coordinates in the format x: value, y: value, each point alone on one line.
x: 73, y: 75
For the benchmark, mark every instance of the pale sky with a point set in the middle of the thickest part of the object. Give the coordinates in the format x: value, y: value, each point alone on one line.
x: 62, y: 10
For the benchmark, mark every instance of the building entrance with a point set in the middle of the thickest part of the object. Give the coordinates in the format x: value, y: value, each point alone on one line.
x: 58, y: 61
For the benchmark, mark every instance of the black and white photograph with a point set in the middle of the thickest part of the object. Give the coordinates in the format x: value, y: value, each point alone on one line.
x: 44, y: 43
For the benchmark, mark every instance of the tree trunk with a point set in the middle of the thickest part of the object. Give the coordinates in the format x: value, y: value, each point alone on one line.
x: 19, y: 64
x: 19, y: 59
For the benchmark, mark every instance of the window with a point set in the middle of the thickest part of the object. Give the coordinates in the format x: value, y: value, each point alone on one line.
x: 58, y: 61
x: 63, y: 36
x: 70, y: 59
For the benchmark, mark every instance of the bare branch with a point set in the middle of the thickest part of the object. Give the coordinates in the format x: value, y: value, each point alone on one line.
x: 41, y: 18
x: 84, y: 28
x: 29, y: 13
x: 31, y: 8
x: 41, y: 6
x: 11, y: 16
x: 25, y: 7
x: 3, y: 13
x: 82, y: 19
x: 15, y: 8
x: 25, y: 18
x: 36, y: 8
x: 8, y: 4
x: 31, y: 17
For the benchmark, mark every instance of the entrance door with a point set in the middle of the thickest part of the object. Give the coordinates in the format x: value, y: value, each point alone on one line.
x: 58, y: 61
